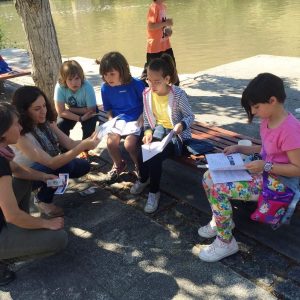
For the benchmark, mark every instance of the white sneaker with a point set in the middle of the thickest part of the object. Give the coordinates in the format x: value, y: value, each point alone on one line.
x: 218, y: 250
x: 138, y: 187
x: 210, y: 230
x: 152, y: 203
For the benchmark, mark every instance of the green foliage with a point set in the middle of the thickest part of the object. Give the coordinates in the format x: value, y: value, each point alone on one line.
x: 5, y: 42
x: 2, y: 44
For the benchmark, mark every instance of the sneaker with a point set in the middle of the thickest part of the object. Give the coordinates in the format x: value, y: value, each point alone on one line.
x: 210, y: 230
x: 218, y: 250
x: 138, y: 187
x: 152, y: 203
x: 115, y: 172
x: 6, y: 275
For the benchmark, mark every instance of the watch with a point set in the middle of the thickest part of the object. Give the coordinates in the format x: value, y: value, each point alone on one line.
x: 268, y: 166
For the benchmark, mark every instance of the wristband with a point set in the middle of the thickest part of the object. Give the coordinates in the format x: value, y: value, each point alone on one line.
x: 268, y: 166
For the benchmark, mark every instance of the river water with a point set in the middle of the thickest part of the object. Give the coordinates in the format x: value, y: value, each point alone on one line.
x: 206, y: 33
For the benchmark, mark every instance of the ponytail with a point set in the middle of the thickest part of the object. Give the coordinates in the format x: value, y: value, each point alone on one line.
x: 166, y: 65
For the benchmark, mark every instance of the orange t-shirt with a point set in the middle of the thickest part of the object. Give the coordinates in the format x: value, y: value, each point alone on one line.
x: 156, y: 40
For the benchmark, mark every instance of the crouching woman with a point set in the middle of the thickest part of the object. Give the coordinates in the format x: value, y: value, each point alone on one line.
x: 21, y: 235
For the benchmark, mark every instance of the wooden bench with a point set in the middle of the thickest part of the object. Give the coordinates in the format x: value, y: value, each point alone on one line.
x: 219, y: 137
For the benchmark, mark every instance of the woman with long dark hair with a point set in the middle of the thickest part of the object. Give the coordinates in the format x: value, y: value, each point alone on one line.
x: 40, y: 143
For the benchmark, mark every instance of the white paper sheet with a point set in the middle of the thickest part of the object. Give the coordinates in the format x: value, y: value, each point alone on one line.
x: 220, y: 161
x: 105, y: 128
x: 227, y: 168
x: 122, y: 128
x: 150, y: 150
x: 230, y: 176
x: 61, y: 189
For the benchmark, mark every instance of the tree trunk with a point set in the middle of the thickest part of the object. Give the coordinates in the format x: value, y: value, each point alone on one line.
x: 42, y: 43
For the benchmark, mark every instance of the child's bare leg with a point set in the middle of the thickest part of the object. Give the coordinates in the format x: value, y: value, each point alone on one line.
x: 113, y: 147
x: 131, y: 146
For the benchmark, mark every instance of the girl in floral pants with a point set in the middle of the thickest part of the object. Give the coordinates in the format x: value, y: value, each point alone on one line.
x: 280, y: 135
x: 219, y: 196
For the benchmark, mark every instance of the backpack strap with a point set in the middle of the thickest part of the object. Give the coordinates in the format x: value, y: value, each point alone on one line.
x: 286, y: 219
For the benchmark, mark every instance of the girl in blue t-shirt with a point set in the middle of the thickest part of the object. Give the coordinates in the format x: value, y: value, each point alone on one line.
x: 122, y: 96
x: 75, y: 100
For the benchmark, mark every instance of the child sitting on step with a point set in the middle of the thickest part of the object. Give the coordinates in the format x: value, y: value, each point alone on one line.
x: 280, y: 134
x: 122, y: 96
x: 75, y: 101
x: 166, y: 108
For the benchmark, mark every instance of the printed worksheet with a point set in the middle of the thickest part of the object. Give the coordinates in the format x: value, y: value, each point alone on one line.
x: 222, y: 162
x: 152, y: 149
x: 227, y: 168
x: 122, y: 128
x: 65, y: 179
x: 105, y: 128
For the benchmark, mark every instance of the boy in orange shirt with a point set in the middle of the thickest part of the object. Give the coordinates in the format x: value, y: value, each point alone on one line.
x: 158, y: 33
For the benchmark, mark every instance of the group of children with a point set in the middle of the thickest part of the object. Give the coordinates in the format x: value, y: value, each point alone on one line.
x: 42, y: 148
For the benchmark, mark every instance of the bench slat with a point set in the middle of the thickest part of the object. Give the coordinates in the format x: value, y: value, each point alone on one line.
x: 225, y: 132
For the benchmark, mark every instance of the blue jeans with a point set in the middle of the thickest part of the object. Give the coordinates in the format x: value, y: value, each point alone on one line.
x: 76, y: 168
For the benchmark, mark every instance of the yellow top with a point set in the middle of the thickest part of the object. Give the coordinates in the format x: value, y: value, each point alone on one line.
x: 160, y: 110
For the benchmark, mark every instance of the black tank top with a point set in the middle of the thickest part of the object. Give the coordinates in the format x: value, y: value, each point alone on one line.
x: 4, y: 171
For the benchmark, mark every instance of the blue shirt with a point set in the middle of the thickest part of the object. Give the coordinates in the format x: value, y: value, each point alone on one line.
x: 126, y: 99
x: 83, y: 97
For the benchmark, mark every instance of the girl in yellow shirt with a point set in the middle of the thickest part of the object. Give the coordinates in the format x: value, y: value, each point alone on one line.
x: 166, y: 108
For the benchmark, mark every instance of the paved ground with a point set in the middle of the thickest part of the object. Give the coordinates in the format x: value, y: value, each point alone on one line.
x: 118, y: 252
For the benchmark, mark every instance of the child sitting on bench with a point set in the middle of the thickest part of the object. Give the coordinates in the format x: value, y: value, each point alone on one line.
x: 280, y: 134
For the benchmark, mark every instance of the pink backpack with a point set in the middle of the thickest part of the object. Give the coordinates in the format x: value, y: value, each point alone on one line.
x: 272, y: 205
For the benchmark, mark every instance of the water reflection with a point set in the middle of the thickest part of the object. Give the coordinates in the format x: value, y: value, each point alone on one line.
x: 206, y: 33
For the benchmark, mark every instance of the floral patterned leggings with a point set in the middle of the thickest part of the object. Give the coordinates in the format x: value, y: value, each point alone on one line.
x: 219, y: 195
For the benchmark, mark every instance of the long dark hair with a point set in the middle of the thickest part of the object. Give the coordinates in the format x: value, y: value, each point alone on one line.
x: 7, y: 114
x: 23, y: 99
x: 260, y: 90
x: 166, y: 65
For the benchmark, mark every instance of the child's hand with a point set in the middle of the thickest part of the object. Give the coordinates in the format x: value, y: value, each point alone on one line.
x: 169, y: 22
x: 178, y: 128
x: 147, y: 138
x: 256, y: 166
x: 87, y: 115
x: 231, y: 149
x: 168, y: 31
x: 54, y: 224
